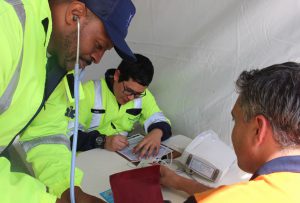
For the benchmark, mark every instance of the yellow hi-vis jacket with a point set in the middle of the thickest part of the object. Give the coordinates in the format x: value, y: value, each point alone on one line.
x: 22, y: 81
x: 100, y: 111
x: 47, y: 145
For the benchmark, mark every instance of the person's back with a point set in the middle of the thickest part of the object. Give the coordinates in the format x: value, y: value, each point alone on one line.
x: 265, y: 138
x: 273, y: 187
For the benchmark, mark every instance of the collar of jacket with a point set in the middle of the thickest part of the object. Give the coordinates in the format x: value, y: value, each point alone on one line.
x: 281, y: 164
x: 109, y: 78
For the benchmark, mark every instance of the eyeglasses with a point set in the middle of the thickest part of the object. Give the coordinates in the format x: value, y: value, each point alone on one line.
x: 129, y: 92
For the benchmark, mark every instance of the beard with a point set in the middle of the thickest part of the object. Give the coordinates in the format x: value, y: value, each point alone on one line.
x: 69, y: 48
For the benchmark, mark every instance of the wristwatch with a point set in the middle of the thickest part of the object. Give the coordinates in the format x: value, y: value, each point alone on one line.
x: 100, y: 141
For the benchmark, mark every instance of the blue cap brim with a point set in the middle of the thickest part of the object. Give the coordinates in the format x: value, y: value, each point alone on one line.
x: 119, y: 43
x: 116, y: 16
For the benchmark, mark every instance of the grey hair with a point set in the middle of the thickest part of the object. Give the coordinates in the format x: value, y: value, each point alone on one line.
x: 273, y: 92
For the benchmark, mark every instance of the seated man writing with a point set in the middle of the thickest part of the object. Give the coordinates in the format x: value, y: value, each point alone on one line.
x: 265, y: 137
x: 113, y: 105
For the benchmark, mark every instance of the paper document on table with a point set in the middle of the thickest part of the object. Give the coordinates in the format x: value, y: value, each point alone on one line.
x: 136, y: 139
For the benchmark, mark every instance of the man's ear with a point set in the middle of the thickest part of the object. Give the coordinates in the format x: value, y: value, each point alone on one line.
x: 75, y: 9
x: 117, y: 75
x: 263, y: 128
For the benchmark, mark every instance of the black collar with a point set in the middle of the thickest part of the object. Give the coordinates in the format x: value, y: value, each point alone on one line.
x: 281, y: 164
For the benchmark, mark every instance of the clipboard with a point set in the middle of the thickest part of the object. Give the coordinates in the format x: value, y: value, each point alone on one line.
x: 165, y: 152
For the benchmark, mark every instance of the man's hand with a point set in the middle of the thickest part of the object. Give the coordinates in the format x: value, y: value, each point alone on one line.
x: 168, y: 177
x: 115, y: 142
x: 150, y: 145
x: 80, y: 197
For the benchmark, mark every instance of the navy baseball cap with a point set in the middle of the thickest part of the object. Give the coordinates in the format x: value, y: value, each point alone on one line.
x: 116, y: 16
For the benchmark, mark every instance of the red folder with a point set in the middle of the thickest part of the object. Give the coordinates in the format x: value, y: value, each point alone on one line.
x: 137, y: 186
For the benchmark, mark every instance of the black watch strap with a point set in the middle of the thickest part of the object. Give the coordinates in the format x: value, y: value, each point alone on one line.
x: 100, y: 141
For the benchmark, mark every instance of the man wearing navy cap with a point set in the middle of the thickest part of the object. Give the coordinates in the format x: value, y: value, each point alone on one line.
x: 38, y: 46
x: 102, y: 26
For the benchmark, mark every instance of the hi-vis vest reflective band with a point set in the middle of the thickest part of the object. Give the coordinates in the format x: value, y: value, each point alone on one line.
x: 155, y: 118
x: 6, y: 98
x: 98, y: 111
x: 53, y: 139
x: 96, y: 117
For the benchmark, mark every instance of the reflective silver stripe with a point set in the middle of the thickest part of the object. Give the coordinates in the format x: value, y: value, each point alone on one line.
x: 53, y: 139
x: 96, y: 117
x: 137, y: 103
x: 155, y: 118
x: 6, y: 98
x: 2, y: 148
x: 71, y: 125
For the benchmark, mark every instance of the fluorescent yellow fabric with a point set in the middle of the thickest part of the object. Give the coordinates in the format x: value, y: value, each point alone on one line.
x: 52, y: 162
x: 276, y: 188
x: 29, y: 92
x: 123, y: 121
x: 21, y: 188
x: 18, y: 187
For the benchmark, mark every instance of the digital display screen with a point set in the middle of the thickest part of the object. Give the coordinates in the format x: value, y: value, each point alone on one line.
x: 202, y: 168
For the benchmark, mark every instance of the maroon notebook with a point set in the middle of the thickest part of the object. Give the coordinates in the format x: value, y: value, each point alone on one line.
x: 137, y: 186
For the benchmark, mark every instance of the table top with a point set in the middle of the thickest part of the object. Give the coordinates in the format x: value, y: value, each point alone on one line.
x: 99, y: 164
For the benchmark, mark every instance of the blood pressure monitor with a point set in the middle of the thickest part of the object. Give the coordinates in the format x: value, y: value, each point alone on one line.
x: 207, y: 158
x: 201, y: 168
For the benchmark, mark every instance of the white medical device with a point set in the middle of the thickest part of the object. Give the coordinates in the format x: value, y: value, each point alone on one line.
x: 207, y: 158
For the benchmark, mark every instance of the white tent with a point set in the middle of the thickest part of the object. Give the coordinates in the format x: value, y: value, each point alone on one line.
x: 199, y: 47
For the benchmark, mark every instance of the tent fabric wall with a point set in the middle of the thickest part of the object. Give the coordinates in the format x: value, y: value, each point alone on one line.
x: 199, y: 47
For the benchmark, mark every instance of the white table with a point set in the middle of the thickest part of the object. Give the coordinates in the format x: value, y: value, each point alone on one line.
x: 99, y: 164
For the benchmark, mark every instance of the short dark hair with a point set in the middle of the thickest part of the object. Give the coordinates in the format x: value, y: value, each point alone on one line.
x: 274, y: 92
x: 140, y: 71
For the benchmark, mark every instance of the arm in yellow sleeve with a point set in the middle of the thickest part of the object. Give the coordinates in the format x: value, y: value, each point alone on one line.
x: 48, y: 147
x: 52, y: 165
x: 20, y: 187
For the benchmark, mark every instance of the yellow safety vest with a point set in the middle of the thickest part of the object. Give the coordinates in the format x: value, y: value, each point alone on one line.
x: 46, y: 143
x: 99, y: 110
x: 275, y: 188
x: 29, y: 91
x: 23, y: 73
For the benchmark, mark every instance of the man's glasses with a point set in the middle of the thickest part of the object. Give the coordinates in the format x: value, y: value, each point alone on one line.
x: 129, y: 92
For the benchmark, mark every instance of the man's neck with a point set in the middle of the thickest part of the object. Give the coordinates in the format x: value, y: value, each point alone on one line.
x: 289, y: 151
